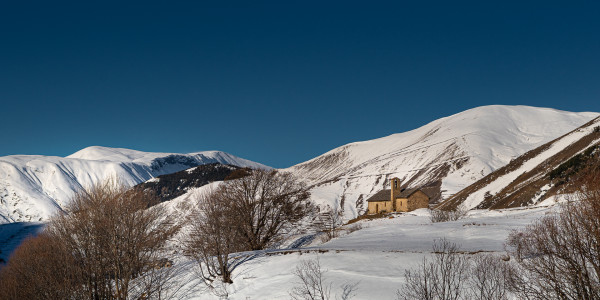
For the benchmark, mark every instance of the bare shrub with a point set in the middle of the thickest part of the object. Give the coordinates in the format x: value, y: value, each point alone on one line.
x: 312, y: 284
x: 490, y: 278
x: 559, y: 255
x: 438, y: 215
x: 442, y: 278
x: 454, y: 275
x: 40, y: 268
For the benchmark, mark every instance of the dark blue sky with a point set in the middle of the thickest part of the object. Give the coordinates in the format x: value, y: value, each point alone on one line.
x: 278, y: 82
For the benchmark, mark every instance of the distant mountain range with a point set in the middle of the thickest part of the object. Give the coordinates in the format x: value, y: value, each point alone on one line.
x: 442, y: 157
x: 32, y: 187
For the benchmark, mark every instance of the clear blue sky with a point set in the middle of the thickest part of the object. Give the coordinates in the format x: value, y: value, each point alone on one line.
x: 278, y: 82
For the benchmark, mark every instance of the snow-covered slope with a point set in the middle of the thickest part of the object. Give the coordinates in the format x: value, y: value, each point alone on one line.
x: 527, y: 179
x: 376, y: 255
x: 32, y: 187
x: 442, y: 157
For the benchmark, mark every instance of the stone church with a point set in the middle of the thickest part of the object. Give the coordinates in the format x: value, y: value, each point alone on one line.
x: 397, y: 199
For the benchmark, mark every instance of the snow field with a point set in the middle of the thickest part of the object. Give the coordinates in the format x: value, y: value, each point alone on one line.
x: 377, y: 255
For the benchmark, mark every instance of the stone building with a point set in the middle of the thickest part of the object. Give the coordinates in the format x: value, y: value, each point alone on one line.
x: 397, y: 199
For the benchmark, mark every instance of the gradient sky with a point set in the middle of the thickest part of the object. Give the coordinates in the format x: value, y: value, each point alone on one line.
x: 278, y: 82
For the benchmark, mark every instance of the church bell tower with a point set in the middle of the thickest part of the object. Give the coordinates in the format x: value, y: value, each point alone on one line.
x: 395, y: 191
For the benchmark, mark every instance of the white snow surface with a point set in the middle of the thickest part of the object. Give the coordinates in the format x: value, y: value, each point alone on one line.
x: 375, y: 256
x: 33, y: 187
x: 458, y: 150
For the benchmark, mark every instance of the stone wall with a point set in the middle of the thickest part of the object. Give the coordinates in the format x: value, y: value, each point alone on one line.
x: 418, y: 200
x: 379, y: 206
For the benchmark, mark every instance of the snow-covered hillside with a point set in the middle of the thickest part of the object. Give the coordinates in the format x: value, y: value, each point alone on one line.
x: 526, y: 180
x: 442, y: 157
x: 32, y: 187
x: 375, y: 256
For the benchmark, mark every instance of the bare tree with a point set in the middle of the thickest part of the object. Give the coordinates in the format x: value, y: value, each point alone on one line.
x: 213, y: 238
x: 559, y: 255
x: 264, y: 206
x: 442, y: 278
x: 111, y: 244
x: 115, y: 236
x: 312, y: 284
x: 249, y: 213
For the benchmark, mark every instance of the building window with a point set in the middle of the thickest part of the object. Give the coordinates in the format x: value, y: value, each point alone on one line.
x: 395, y: 184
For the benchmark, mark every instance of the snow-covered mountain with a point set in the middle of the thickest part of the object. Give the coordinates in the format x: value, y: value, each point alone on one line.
x: 442, y: 157
x: 535, y: 176
x: 32, y: 187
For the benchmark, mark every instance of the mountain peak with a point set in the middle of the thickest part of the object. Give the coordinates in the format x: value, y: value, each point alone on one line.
x: 107, y: 153
x: 443, y: 156
x: 35, y: 187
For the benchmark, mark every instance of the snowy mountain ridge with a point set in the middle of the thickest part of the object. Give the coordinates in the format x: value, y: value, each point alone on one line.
x: 441, y: 157
x: 32, y: 187
x: 536, y: 176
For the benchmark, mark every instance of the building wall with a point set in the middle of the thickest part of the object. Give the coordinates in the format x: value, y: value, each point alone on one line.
x: 418, y: 200
x: 379, y: 206
x: 401, y: 204
x: 415, y: 201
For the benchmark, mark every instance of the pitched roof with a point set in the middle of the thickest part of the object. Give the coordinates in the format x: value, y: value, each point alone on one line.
x: 383, y: 195
x: 406, y: 192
